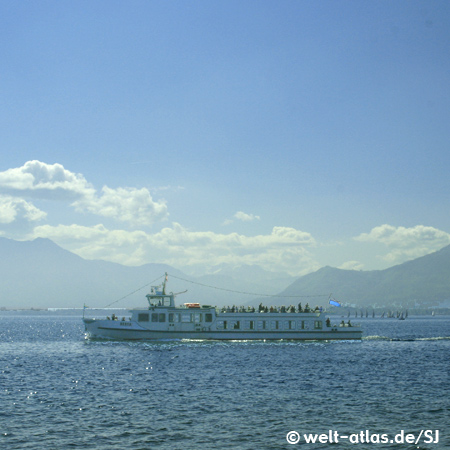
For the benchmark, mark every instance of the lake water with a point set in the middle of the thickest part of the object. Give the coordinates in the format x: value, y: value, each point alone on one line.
x: 60, y: 391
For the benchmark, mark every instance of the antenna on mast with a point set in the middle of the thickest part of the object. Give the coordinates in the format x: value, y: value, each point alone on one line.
x: 164, y: 285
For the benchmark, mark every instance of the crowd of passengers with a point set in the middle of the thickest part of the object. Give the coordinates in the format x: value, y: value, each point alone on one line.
x: 271, y: 309
x: 114, y: 317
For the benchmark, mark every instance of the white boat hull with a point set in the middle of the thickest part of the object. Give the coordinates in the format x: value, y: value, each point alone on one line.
x: 107, y: 329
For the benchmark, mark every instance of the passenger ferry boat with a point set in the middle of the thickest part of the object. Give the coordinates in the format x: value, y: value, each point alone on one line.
x: 162, y: 319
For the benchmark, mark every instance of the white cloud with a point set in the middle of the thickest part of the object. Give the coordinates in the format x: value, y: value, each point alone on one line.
x: 131, y: 205
x: 242, y: 216
x: 406, y: 243
x: 98, y: 242
x: 36, y: 179
x: 283, y: 249
x: 351, y: 265
x: 245, y: 217
x: 12, y: 209
x: 167, y: 188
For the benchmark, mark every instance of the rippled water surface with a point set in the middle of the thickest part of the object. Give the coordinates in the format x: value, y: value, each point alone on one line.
x: 60, y: 391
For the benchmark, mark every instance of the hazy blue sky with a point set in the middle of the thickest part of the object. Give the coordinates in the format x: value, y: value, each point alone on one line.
x: 288, y: 134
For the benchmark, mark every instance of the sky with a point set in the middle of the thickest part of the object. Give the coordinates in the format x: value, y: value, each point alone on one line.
x: 289, y: 135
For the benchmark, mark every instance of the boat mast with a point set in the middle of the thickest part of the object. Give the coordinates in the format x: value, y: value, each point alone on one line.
x: 164, y: 285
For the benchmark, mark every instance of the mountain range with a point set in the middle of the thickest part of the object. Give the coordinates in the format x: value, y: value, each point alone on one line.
x: 40, y: 274
x: 421, y: 282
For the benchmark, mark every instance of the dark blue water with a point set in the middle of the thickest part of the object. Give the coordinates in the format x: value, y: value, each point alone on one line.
x: 60, y: 391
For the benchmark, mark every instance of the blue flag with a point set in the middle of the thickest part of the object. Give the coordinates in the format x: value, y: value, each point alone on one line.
x: 334, y: 302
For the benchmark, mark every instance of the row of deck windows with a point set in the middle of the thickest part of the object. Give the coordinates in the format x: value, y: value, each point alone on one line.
x: 176, y: 317
x: 155, y: 317
x: 267, y: 325
x: 230, y: 324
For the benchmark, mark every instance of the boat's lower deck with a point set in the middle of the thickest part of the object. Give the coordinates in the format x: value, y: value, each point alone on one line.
x: 110, y: 330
